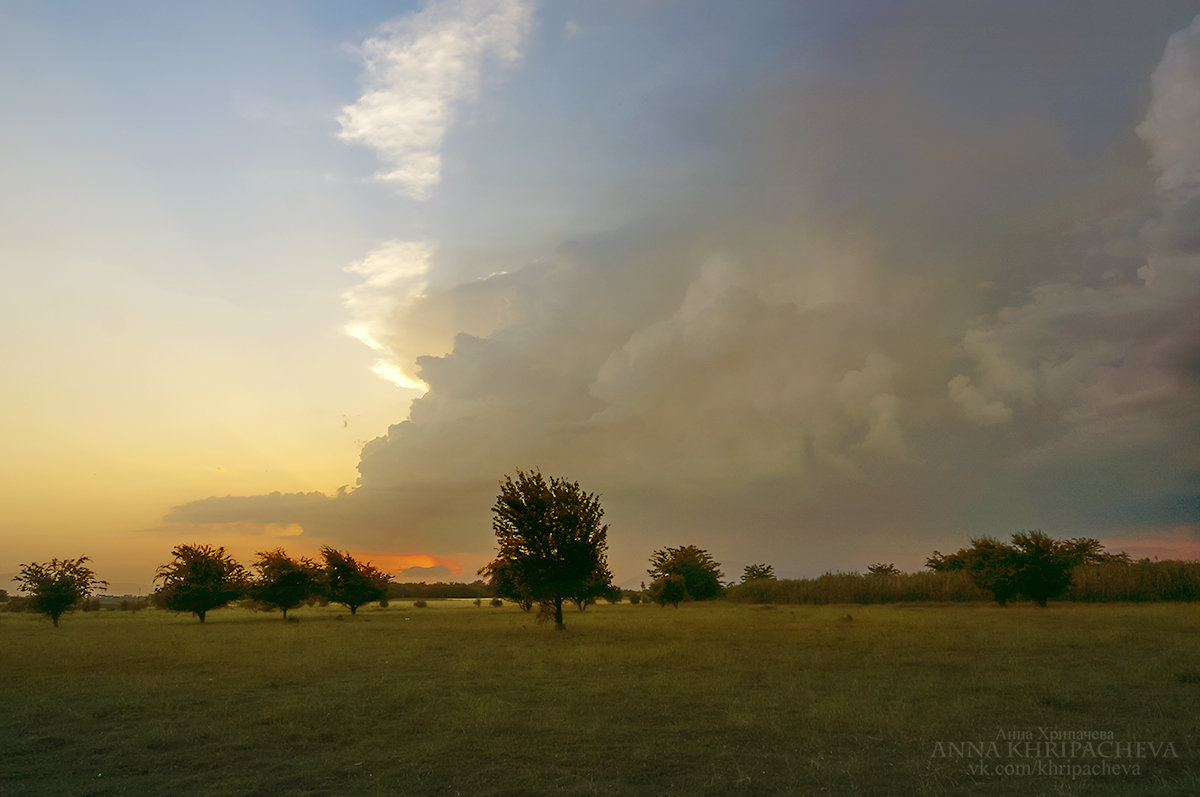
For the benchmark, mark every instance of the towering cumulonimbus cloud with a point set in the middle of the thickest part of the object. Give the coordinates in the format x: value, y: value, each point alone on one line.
x: 1118, y: 361
x: 871, y: 322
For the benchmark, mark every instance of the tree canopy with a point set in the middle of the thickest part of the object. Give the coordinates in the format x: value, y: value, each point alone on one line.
x: 701, y: 573
x: 553, y: 545
x: 199, y: 579
x: 283, y: 582
x: 670, y: 588
x: 56, y: 586
x: 350, y: 582
x: 758, y: 572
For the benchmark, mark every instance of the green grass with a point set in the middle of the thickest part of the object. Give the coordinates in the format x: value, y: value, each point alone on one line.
x: 713, y: 698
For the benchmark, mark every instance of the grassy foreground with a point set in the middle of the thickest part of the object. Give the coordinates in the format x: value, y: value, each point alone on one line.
x: 707, y: 699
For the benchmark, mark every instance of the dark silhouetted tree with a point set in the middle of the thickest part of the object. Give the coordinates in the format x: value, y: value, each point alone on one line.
x: 553, y: 545
x: 882, y: 569
x: 1090, y: 551
x: 502, y: 578
x: 757, y: 573
x: 942, y: 562
x: 993, y: 567
x: 58, y: 585
x: 701, y: 573
x: 1043, y: 565
x: 671, y: 588
x: 283, y: 582
x: 350, y: 582
x: 199, y: 579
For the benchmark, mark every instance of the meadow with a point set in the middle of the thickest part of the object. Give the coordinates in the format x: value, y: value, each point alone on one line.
x: 712, y: 698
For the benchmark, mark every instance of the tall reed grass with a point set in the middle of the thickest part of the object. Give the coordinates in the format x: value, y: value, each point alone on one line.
x: 1135, y: 581
x: 1144, y: 580
x: 855, y: 588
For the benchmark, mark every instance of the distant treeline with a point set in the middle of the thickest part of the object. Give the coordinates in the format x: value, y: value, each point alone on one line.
x: 1143, y: 580
x: 440, y: 589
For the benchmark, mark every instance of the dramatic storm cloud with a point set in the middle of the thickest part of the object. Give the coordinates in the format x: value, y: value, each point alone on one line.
x: 895, y: 286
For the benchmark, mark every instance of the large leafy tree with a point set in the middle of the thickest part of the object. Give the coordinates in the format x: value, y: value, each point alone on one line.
x: 56, y: 586
x: 701, y: 573
x: 553, y: 545
x: 350, y: 582
x: 199, y: 579
x: 283, y: 582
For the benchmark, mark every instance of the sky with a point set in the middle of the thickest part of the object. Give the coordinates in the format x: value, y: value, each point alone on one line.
x: 811, y: 284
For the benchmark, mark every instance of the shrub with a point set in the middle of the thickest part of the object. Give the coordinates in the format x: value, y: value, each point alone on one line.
x: 671, y: 588
x: 420, y: 604
x: 496, y: 603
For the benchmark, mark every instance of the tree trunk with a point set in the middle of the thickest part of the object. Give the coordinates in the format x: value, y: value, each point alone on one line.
x: 558, y: 618
x: 353, y: 610
x: 285, y: 614
x: 54, y: 619
x: 201, y: 615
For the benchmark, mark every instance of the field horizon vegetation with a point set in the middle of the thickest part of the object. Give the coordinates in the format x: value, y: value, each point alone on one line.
x: 877, y: 683
x: 715, y: 697
x: 1142, y: 580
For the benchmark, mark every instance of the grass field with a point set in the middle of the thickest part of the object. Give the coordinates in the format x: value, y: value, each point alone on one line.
x: 712, y: 698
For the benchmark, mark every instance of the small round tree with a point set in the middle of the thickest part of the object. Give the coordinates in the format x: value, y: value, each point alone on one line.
x: 350, y: 582
x: 670, y: 589
x: 701, y: 573
x: 58, y: 585
x: 199, y: 579
x: 283, y: 582
x: 1043, y: 565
